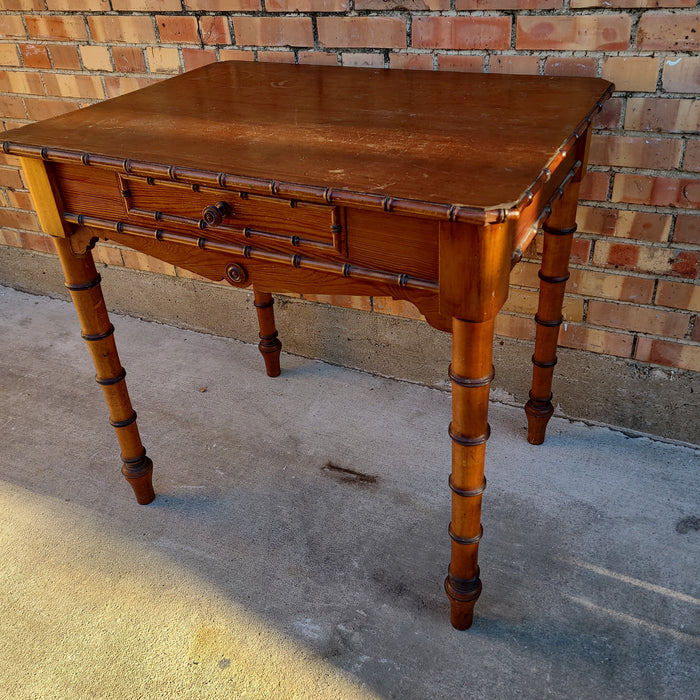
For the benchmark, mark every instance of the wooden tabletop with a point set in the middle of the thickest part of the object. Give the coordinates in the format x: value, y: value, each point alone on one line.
x: 448, y: 138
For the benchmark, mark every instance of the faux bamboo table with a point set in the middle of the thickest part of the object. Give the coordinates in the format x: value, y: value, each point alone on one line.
x: 416, y: 185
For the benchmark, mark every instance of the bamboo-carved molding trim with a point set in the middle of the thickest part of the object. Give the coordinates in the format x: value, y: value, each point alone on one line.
x: 523, y: 242
x: 247, y: 251
x: 285, y: 190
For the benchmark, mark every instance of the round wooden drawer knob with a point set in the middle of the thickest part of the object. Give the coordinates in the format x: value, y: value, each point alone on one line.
x: 214, y: 214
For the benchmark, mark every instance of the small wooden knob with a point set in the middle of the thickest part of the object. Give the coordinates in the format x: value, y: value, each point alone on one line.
x: 236, y: 275
x: 214, y: 214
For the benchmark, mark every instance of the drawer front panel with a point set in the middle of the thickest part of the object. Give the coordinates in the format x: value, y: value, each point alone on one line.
x: 224, y: 212
x: 271, y: 222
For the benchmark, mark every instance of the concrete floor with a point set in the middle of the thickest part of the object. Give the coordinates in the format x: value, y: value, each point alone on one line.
x: 262, y: 572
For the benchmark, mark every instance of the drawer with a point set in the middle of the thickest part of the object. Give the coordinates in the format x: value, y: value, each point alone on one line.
x: 269, y: 221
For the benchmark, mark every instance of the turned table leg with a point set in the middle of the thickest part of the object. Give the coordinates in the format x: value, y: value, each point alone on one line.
x: 269, y: 344
x: 558, y: 235
x: 471, y: 373
x: 83, y: 282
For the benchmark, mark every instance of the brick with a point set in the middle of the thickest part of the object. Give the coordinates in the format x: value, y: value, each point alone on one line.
x: 631, y: 73
x: 687, y: 229
x: 596, y: 340
x: 681, y: 74
x: 20, y: 200
x: 574, y: 32
x: 525, y: 275
x: 610, y: 116
x: 508, y: 4
x: 695, y: 332
x: 22, y: 83
x: 56, y: 28
x: 641, y: 258
x: 78, y: 5
x: 128, y: 29
x: 163, y: 60
x: 579, y: 66
x: 10, y: 177
x: 64, y: 57
x: 362, y: 32
x: 273, y: 31
x: 466, y: 64
x: 668, y: 353
x: 635, y: 152
x: 656, y: 191
x: 626, y: 223
x: 400, y: 6
x: 38, y: 109
x: 594, y: 186
x: 321, y: 5
x: 108, y: 254
x: 686, y: 263
x: 524, y: 302
x: 461, y: 32
x: 9, y: 124
x: 12, y: 106
x: 7, y: 159
x: 10, y: 57
x: 276, y: 56
x: 23, y: 5
x: 515, y: 326
x: 39, y: 242
x: 631, y: 3
x: 177, y: 29
x: 118, y: 85
x: 666, y: 31
x: 128, y: 59
x: 12, y: 218
x: 629, y: 317
x: 10, y: 238
x: 678, y: 295
x: 361, y: 59
x: 395, y: 307
x: 413, y: 61
x: 65, y: 85
x: 223, y: 5
x: 147, y: 5
x: 96, y: 58
x: 520, y: 65
x: 580, y: 251
x: 196, y: 58
x: 691, y: 159
x: 318, y: 58
x: 13, y: 27
x: 603, y: 285
x: 214, y: 30
x: 659, y: 114
x: 235, y: 55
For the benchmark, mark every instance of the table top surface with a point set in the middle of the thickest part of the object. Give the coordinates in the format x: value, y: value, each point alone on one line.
x: 477, y: 140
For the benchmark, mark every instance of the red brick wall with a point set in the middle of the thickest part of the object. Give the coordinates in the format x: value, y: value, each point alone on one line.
x: 633, y: 290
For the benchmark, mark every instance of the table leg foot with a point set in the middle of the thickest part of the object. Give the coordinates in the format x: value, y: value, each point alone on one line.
x: 463, y: 596
x: 538, y: 412
x: 270, y: 345
x: 140, y: 477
